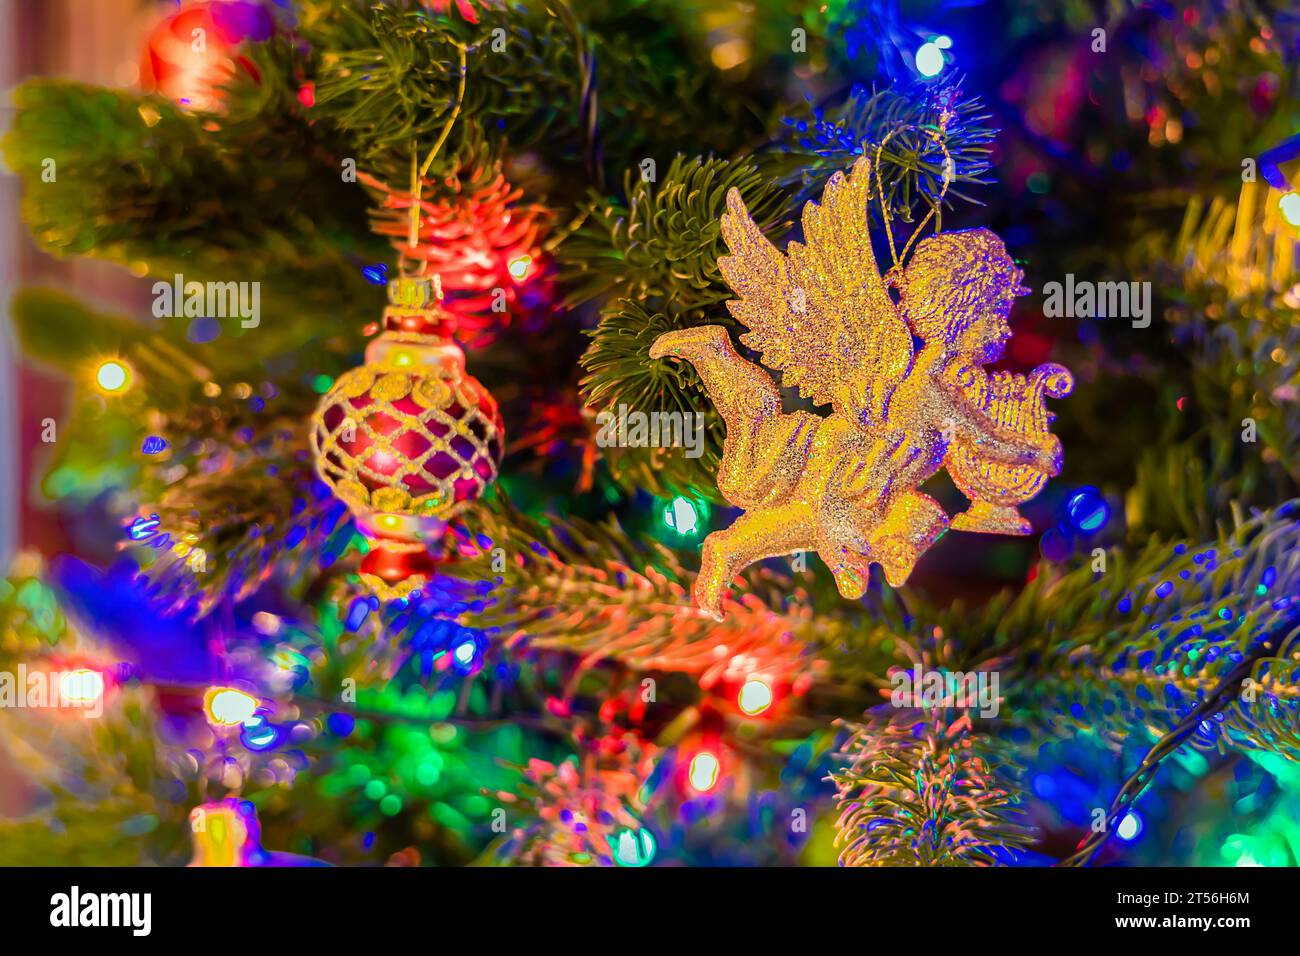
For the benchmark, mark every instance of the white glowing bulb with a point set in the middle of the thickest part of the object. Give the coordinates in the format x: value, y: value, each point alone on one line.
x: 755, y: 697
x: 704, y: 771
x: 929, y: 59
x: 1129, y: 827
x: 111, y: 376
x: 227, y: 707
x: 681, y: 516
x: 465, y: 652
x: 519, y: 266
x: 1290, y: 206
x: 82, y: 686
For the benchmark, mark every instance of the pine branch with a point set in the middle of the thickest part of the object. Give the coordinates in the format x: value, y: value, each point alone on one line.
x: 656, y: 259
x: 590, y: 590
x: 620, y: 374
x: 96, y: 776
x: 145, y: 185
x: 574, y: 813
x: 1156, y: 634
x: 664, y: 239
x: 912, y: 167
x: 925, y: 792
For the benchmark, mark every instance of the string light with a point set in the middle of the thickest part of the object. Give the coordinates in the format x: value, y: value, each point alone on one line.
x: 634, y: 848
x: 1130, y: 827
x: 929, y: 56
x: 682, y: 516
x: 1290, y: 207
x: 755, y: 697
x: 704, y: 770
x: 142, y: 528
x: 228, y: 707
x: 1087, y: 510
x: 258, y: 734
x: 82, y: 686
x: 465, y: 653
x: 467, y: 656
x: 519, y: 266
x: 112, y: 376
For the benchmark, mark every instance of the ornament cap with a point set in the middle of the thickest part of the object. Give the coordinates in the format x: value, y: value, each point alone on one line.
x: 415, y: 305
x: 415, y: 292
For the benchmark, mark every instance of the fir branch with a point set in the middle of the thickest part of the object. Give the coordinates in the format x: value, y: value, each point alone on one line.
x: 657, y: 256
x: 925, y: 792
x: 96, y: 777
x: 589, y: 590
x: 393, y: 90
x: 1141, y: 644
x: 620, y: 375
x: 1235, y: 320
x: 145, y: 185
x: 665, y: 238
x: 103, y: 803
x: 580, y: 811
x: 1156, y: 634
x: 912, y: 165
x: 239, y: 511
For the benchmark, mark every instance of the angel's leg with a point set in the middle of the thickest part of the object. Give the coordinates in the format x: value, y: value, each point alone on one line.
x: 895, y: 538
x: 914, y: 523
x: 752, y: 537
x: 849, y: 566
x: 741, y: 391
x: 872, y: 512
x: 766, y: 449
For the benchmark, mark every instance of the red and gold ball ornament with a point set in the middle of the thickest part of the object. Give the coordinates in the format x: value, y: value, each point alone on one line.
x: 193, y: 53
x: 409, y: 438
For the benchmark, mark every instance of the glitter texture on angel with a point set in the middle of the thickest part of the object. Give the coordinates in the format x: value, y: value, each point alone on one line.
x: 845, y: 485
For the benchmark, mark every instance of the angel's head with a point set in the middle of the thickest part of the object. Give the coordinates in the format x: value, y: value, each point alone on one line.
x: 957, y: 291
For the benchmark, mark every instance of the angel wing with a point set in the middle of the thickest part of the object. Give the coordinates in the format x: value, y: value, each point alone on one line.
x: 820, y: 313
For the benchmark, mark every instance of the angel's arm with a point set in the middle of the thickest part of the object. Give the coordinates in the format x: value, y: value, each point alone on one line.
x: 977, y: 428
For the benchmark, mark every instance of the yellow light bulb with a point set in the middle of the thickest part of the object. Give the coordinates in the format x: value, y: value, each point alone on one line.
x: 82, y: 686
x: 112, y: 376
x: 228, y: 707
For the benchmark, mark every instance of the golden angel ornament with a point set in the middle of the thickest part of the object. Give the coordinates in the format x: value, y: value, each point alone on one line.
x: 845, y: 485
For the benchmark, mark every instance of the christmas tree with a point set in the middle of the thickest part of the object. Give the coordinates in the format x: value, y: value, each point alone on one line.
x: 519, y: 457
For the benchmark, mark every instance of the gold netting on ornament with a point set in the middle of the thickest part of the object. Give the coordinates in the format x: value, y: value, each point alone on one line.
x: 456, y: 422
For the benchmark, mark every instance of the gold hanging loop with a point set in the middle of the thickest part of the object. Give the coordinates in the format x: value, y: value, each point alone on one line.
x: 948, y: 175
x: 419, y: 172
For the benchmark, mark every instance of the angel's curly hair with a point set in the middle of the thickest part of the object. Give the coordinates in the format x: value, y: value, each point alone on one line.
x: 959, y: 272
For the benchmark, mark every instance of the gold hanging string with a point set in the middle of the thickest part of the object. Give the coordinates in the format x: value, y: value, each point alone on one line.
x: 418, y: 173
x: 935, y: 206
